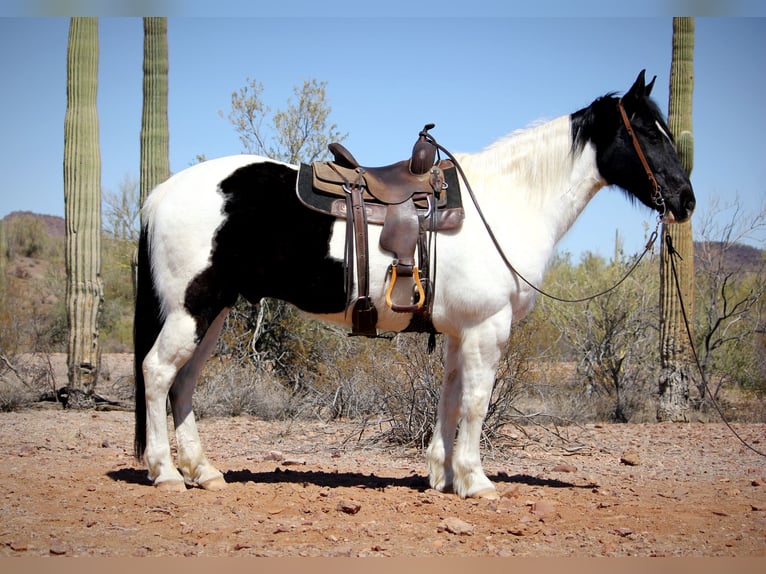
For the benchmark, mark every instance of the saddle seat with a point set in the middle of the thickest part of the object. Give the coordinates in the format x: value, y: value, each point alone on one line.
x: 390, y: 185
x: 397, y: 182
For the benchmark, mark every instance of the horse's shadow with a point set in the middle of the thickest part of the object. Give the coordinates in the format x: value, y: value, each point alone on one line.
x: 502, y: 477
x: 326, y: 479
x: 130, y: 476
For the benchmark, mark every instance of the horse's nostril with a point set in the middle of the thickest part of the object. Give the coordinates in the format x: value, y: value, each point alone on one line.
x: 690, y: 204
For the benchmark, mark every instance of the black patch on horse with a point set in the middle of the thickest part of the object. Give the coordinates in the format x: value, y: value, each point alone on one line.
x: 269, y: 245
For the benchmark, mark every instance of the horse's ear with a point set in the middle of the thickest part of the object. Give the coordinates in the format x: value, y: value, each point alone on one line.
x: 649, y: 86
x: 638, y: 89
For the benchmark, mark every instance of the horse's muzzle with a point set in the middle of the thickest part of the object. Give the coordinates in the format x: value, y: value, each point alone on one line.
x: 681, y: 211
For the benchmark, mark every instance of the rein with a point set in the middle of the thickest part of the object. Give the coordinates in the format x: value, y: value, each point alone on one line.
x: 672, y: 254
x: 656, y: 196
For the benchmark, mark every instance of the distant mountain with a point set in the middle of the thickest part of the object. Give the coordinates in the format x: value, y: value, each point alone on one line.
x: 54, y: 225
x: 738, y: 256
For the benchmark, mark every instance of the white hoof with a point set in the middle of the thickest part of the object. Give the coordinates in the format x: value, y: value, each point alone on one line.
x: 485, y: 493
x: 444, y: 488
x: 171, y: 486
x: 217, y: 483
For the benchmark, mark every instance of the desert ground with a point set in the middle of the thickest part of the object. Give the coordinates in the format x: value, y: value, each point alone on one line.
x: 71, y: 487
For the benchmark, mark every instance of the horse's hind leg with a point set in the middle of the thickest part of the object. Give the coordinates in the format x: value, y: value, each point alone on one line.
x: 174, y: 346
x: 191, y: 457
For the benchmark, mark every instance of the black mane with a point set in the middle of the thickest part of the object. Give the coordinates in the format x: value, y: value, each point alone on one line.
x: 595, y: 123
x: 600, y: 121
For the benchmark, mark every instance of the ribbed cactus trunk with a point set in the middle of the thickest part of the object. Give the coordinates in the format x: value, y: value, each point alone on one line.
x: 155, y: 166
x: 676, y: 360
x: 82, y: 200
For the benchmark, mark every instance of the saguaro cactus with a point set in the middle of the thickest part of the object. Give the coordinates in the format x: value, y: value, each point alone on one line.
x: 675, y: 351
x: 154, y: 118
x: 82, y: 200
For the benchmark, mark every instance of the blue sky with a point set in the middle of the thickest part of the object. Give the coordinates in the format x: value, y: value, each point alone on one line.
x: 477, y: 78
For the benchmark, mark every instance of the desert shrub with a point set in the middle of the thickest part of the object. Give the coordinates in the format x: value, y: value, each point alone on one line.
x: 227, y: 388
x: 24, y: 379
x: 325, y: 373
x: 410, y: 401
x: 32, y: 313
x: 409, y: 398
x: 270, y: 334
x: 31, y: 324
x: 345, y: 377
x: 15, y: 392
x: 14, y: 395
x: 116, y: 321
x: 26, y: 236
x: 730, y: 320
x: 613, y: 337
x: 9, y: 331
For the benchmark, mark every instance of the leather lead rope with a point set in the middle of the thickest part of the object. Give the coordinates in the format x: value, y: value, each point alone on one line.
x: 672, y: 254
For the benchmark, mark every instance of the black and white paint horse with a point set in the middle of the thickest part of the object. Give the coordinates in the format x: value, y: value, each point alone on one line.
x: 235, y: 226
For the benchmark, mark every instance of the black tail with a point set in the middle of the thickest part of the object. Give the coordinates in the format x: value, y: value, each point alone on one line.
x: 146, y: 326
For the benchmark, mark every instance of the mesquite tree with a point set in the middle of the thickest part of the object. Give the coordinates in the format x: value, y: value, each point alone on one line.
x: 730, y: 271
x: 155, y: 166
x: 82, y: 199
x: 299, y: 132
x: 676, y: 361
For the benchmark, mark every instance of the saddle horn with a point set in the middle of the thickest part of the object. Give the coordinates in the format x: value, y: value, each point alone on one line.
x: 423, y: 153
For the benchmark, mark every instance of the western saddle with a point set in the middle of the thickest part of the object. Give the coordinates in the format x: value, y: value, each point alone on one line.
x: 411, y: 199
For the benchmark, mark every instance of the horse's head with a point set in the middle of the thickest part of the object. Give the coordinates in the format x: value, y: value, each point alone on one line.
x: 657, y: 179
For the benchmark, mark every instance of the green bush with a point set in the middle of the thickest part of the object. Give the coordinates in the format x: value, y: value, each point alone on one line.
x: 27, y: 236
x: 116, y: 320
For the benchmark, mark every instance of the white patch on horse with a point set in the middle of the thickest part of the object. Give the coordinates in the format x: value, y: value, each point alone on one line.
x: 663, y: 132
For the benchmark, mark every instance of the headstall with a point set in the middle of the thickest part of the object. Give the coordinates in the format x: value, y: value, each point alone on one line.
x: 659, y: 201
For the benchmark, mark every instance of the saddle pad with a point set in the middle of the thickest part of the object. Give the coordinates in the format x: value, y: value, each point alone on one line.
x: 324, y: 201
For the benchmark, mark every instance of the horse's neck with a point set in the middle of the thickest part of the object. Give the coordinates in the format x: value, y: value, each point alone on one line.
x: 536, y: 175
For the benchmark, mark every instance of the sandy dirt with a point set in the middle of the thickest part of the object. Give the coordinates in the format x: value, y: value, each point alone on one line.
x: 70, y: 486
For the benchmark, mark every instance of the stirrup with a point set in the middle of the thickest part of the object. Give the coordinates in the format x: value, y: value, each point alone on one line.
x: 421, y: 292
x: 364, y: 318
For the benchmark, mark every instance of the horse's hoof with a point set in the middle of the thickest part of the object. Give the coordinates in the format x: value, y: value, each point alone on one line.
x: 217, y: 483
x: 445, y: 489
x: 171, y: 486
x: 486, y: 494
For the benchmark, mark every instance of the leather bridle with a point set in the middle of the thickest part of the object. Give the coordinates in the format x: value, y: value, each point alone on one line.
x: 659, y: 201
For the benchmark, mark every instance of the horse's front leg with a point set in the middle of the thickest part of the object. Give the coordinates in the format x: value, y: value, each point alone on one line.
x: 479, y: 356
x: 439, y: 453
